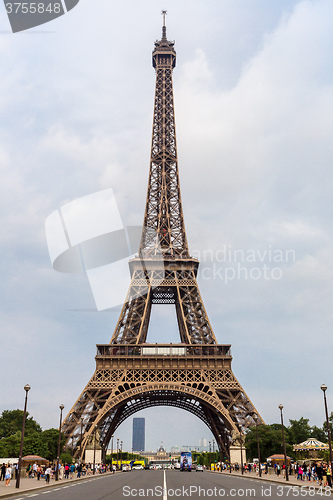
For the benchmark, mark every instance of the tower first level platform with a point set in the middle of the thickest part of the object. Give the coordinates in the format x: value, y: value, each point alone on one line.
x: 130, y: 378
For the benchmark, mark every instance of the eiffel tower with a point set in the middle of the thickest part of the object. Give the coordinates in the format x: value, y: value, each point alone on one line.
x: 131, y: 374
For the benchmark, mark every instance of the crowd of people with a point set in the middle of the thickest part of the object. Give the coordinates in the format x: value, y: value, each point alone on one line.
x: 48, y: 472
x: 317, y: 471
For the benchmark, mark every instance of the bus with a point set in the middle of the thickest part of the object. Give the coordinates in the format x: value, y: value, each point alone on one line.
x: 186, y: 461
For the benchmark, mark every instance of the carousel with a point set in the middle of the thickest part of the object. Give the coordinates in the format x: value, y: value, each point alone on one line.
x: 311, y: 447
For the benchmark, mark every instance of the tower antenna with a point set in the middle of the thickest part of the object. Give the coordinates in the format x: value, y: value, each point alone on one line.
x: 164, y: 13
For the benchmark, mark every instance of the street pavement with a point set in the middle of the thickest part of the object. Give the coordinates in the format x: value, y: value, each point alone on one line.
x: 165, y: 485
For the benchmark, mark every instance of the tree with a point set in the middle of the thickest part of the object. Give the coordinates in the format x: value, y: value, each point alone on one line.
x: 66, y: 458
x: 11, y: 422
x: 36, y: 441
x: 299, y: 430
x: 10, y: 446
x: 270, y: 439
x: 319, y: 434
x: 330, y: 423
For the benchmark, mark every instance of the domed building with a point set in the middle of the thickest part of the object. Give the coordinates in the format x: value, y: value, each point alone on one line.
x: 161, y: 456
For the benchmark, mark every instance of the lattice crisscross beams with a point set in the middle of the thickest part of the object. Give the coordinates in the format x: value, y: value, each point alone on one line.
x: 131, y: 374
x: 118, y: 389
x: 164, y: 282
x: 164, y: 228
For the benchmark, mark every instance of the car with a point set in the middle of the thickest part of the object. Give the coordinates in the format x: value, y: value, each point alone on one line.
x: 199, y: 468
x: 125, y: 467
x: 137, y: 467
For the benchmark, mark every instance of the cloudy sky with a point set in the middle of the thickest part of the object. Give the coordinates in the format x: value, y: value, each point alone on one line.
x: 254, y: 101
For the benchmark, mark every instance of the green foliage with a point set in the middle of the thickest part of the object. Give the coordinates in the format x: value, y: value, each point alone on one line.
x: 11, y: 422
x: 319, y: 434
x: 10, y: 446
x: 270, y: 439
x: 299, y: 430
x: 36, y: 441
x: 44, y: 444
x: 330, y: 423
x: 206, y: 458
x: 66, y: 458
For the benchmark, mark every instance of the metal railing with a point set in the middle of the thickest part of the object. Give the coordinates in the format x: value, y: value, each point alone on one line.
x: 163, y: 350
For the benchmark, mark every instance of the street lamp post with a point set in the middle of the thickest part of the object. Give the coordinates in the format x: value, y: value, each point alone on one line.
x: 256, y: 421
x: 117, y: 451
x: 121, y: 453
x: 81, y: 432
x: 112, y: 452
x: 18, y: 477
x: 220, y: 443
x: 214, y: 453
x: 241, y: 447
x: 59, y: 438
x: 284, y: 445
x: 324, y: 389
x: 94, y: 465
x: 220, y: 448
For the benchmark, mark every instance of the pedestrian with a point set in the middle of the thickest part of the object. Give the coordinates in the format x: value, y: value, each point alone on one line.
x: 300, y: 473
x: 278, y: 470
x: 48, y: 474
x: 3, y: 472
x: 113, y: 469
x: 61, y: 471
x: 8, y: 474
x: 309, y: 473
x: 324, y: 474
x: 329, y: 475
x: 319, y: 472
x: 79, y: 470
x: 72, y: 470
x: 304, y: 467
x: 66, y: 471
x: 39, y: 472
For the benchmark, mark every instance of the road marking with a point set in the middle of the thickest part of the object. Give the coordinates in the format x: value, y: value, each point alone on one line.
x: 34, y: 495
x: 165, y: 494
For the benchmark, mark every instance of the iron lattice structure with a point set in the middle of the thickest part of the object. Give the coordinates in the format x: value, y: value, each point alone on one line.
x: 132, y: 374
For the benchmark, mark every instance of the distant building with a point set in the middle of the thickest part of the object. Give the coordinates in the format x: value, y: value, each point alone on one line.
x: 203, y: 442
x: 194, y: 448
x: 161, y: 456
x: 138, y: 437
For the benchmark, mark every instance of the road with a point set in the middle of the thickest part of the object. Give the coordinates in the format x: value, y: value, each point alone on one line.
x: 169, y: 484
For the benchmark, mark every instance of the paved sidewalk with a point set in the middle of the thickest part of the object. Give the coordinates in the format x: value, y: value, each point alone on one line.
x: 273, y: 478
x: 28, y: 484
